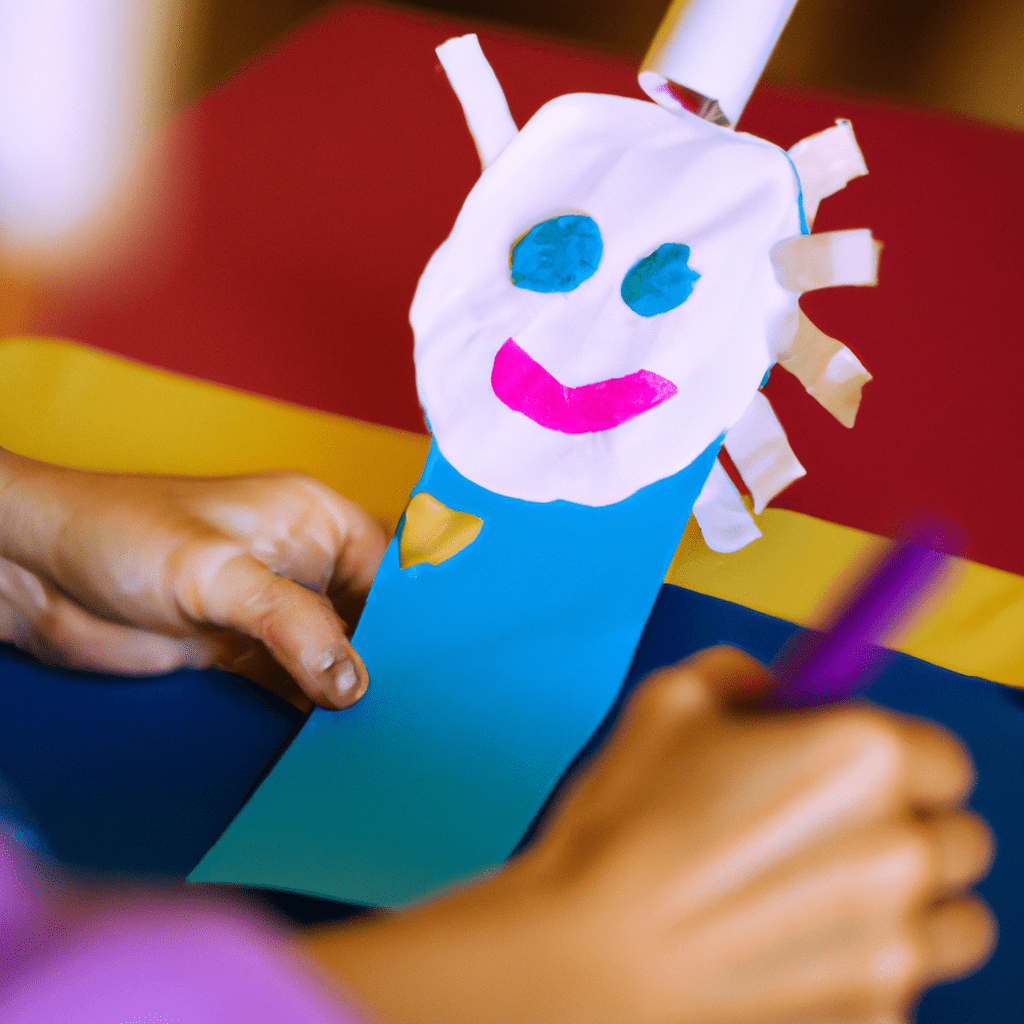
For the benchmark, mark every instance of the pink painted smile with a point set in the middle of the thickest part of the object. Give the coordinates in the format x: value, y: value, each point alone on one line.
x: 525, y: 386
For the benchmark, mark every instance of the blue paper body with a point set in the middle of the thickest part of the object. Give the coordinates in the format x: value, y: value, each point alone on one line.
x: 488, y: 673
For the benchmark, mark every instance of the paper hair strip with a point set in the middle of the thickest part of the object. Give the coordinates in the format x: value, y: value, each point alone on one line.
x: 480, y: 93
x: 759, y: 449
x: 722, y: 515
x: 827, y: 260
x: 827, y: 162
x: 828, y: 370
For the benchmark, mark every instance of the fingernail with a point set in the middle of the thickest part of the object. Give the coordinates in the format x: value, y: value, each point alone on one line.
x: 346, y: 679
x: 324, y: 662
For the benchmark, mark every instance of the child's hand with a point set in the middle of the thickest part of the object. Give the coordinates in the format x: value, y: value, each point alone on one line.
x: 143, y: 574
x: 710, y: 866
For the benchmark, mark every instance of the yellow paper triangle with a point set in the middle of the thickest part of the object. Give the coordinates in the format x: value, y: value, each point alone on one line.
x: 433, y: 532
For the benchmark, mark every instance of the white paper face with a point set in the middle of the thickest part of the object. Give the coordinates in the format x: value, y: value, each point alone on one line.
x: 607, y: 348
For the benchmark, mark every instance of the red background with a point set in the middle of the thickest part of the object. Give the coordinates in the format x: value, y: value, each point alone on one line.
x: 310, y: 190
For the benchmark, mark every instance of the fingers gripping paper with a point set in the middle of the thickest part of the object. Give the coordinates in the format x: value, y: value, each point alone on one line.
x: 599, y: 320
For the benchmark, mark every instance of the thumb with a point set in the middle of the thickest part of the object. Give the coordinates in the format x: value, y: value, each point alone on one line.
x: 298, y: 626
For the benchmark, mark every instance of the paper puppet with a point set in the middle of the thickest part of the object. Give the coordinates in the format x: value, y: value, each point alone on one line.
x: 614, y: 293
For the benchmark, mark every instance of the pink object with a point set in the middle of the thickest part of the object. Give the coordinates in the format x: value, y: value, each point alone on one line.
x: 22, y: 906
x: 159, y: 958
x: 525, y: 386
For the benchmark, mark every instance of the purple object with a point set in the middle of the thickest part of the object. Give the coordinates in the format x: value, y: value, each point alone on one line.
x: 21, y: 904
x: 161, y: 957
x: 825, y: 667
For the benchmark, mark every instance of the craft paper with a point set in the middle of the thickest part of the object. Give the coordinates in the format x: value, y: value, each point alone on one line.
x: 759, y: 449
x: 611, y: 298
x: 829, y: 371
x: 646, y: 179
x: 826, y: 260
x: 432, y: 532
x: 525, y: 386
x: 827, y: 162
x: 488, y: 674
x: 721, y: 514
x: 80, y: 81
x: 716, y: 48
x: 480, y: 93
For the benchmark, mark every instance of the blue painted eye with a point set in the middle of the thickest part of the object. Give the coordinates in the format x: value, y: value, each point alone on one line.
x: 557, y: 255
x: 659, y: 282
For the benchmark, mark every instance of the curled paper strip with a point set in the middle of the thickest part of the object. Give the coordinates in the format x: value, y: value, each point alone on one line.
x: 480, y: 94
x: 721, y: 514
x: 758, y: 447
x: 827, y: 260
x: 827, y: 162
x: 829, y: 371
x: 716, y: 48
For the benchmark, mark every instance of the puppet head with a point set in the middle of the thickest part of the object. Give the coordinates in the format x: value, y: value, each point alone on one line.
x: 611, y: 297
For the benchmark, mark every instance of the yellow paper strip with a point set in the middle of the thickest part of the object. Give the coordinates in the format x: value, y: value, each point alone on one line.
x: 64, y: 403
x: 800, y: 562
x: 68, y: 404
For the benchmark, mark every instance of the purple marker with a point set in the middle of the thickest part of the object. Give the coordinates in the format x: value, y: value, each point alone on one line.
x: 829, y: 666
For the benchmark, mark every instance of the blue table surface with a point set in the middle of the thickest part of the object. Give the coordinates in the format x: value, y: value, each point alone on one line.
x: 139, y: 777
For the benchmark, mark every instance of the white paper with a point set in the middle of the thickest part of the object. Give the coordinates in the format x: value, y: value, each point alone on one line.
x: 722, y: 516
x: 829, y: 371
x: 479, y: 92
x: 758, y: 447
x: 718, y: 48
x: 827, y: 162
x: 78, y: 84
x: 827, y: 259
x: 647, y: 178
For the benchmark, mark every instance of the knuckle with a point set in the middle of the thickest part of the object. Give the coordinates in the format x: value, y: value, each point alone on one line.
x: 986, y: 932
x: 281, y: 603
x: 868, y: 725
x: 702, y: 681
x: 46, y: 639
x: 50, y: 628
x: 294, y: 479
x: 961, y: 766
x: 197, y: 576
x: 293, y: 483
x: 966, y: 846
